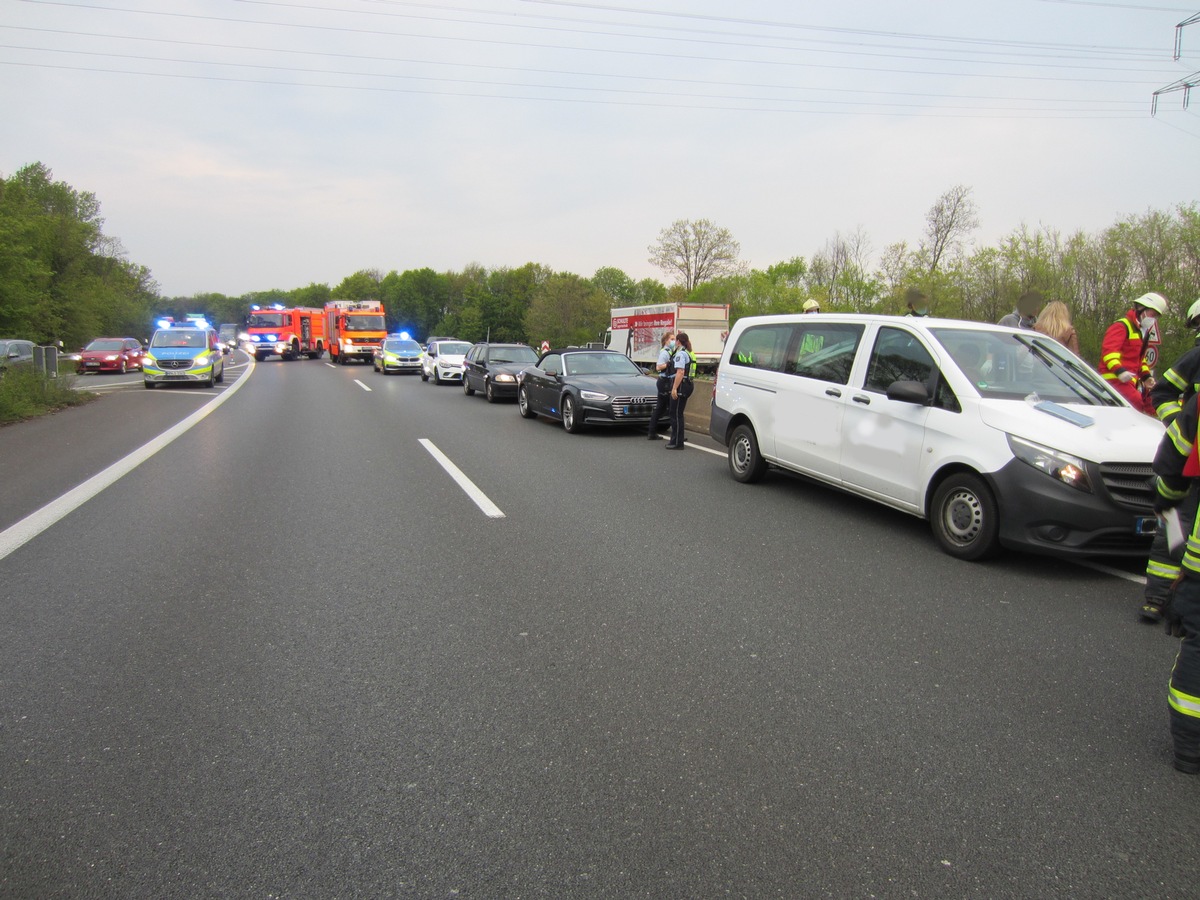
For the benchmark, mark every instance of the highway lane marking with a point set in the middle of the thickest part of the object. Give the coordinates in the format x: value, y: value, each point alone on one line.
x: 36, y: 522
x: 1108, y: 570
x: 361, y: 385
x: 490, y: 509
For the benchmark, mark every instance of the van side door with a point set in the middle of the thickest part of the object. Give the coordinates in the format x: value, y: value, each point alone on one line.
x: 812, y: 400
x: 754, y: 373
x: 883, y: 438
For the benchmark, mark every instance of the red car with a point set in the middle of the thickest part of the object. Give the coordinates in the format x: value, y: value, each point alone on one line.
x: 110, y: 355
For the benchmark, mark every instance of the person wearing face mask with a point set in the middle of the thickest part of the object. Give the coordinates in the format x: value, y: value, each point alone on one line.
x: 665, y: 369
x: 1122, y: 351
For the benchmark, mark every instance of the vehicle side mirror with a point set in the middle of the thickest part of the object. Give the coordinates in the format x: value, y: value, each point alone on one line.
x: 908, y: 392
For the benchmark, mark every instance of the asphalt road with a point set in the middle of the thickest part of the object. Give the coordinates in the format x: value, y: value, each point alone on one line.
x: 289, y: 655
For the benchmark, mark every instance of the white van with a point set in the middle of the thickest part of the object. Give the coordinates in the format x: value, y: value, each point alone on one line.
x: 998, y: 436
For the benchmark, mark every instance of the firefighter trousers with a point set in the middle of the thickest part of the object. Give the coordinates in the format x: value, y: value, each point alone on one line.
x: 1161, y: 568
x: 1183, y: 694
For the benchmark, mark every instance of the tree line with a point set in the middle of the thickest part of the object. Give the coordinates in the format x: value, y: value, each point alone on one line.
x: 62, y: 278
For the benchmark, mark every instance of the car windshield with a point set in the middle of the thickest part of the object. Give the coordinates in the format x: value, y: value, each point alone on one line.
x: 365, y: 323
x: 265, y: 320
x: 453, y: 348
x: 502, y: 355
x: 402, y: 346
x: 1010, y: 366
x: 105, y: 345
x: 180, y: 337
x: 599, y: 364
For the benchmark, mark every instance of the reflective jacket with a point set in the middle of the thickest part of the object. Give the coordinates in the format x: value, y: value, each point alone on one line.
x: 1176, y: 467
x: 1122, y: 348
x: 1177, y: 384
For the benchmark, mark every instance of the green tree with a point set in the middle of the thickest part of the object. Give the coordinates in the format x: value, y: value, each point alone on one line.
x: 566, y: 310
x: 696, y: 251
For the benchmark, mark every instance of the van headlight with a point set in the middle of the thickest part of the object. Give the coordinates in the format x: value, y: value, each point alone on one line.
x: 1070, y: 470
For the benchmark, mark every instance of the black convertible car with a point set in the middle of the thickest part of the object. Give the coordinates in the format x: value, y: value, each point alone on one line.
x: 582, y: 387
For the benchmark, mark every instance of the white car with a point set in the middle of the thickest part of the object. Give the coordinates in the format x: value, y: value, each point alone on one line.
x: 443, y: 360
x: 997, y: 436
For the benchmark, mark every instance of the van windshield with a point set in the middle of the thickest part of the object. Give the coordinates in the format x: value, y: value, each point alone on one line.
x: 1009, y: 366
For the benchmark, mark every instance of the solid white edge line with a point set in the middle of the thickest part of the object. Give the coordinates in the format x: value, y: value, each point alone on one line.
x: 35, y: 523
x: 1108, y: 570
x: 490, y: 509
x: 361, y: 385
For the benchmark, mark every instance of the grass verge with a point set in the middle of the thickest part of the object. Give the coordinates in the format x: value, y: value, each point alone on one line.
x: 25, y: 394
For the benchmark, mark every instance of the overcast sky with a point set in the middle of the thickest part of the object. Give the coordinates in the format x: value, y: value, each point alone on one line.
x: 242, y: 145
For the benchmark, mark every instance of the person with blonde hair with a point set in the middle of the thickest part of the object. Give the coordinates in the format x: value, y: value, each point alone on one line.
x: 1055, y: 321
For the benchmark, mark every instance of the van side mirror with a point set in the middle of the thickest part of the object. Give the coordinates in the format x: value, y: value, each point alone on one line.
x: 909, y: 392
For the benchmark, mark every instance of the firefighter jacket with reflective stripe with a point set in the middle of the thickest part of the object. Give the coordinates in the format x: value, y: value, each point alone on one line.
x: 1177, y: 384
x: 1122, y: 348
x: 1175, y: 468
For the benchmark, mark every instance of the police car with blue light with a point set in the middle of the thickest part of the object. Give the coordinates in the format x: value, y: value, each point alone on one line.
x: 183, y: 352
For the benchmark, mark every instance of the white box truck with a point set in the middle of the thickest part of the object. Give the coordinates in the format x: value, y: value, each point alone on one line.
x: 637, y: 331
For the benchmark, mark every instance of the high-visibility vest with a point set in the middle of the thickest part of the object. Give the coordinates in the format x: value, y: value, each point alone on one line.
x: 1122, y: 348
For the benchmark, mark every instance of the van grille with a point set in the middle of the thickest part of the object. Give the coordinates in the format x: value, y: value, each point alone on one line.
x: 175, y: 363
x: 1130, y: 485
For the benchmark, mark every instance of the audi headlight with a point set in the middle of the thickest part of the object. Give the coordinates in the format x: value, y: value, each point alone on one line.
x: 1070, y: 470
x: 594, y: 396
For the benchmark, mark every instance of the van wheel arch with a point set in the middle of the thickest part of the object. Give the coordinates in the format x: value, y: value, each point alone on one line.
x: 964, y: 515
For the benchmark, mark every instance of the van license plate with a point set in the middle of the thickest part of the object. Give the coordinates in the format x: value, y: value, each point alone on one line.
x: 1146, y: 525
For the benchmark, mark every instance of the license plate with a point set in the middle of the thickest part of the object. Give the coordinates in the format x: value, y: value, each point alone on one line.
x: 1146, y: 525
x: 91, y: 365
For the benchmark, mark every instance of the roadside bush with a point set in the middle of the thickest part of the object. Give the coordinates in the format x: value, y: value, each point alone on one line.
x: 25, y: 393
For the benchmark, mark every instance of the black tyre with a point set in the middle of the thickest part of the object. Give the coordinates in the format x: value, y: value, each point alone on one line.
x: 745, y: 462
x: 437, y: 379
x: 488, y: 393
x: 467, y: 389
x: 965, y: 518
x: 149, y: 385
x: 572, y: 418
x: 523, y: 406
x: 221, y: 377
x: 123, y: 367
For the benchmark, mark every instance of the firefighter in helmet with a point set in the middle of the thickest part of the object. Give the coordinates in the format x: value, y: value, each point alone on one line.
x: 1122, y: 351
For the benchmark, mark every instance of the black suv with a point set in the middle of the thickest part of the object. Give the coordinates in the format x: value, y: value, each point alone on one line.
x: 493, y: 368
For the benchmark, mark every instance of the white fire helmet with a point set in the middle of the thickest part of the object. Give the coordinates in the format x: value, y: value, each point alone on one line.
x: 1152, y: 301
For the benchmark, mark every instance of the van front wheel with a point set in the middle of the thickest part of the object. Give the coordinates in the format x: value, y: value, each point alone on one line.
x: 965, y: 518
x: 745, y: 462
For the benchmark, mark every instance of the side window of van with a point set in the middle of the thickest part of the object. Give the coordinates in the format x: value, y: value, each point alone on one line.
x: 898, y: 356
x: 762, y: 347
x: 824, y: 351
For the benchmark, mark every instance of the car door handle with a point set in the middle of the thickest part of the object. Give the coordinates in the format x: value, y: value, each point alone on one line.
x: 865, y: 401
x: 833, y: 392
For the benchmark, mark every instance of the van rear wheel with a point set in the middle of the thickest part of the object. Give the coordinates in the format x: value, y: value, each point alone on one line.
x: 965, y: 518
x: 745, y: 462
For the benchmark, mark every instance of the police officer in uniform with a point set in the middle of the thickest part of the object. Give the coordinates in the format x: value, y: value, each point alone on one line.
x: 681, y: 387
x: 665, y: 367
